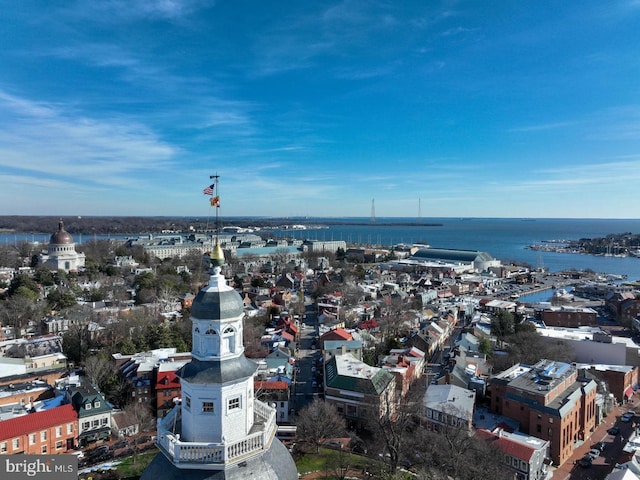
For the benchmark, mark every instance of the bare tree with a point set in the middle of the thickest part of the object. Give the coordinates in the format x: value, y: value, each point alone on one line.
x: 317, y: 422
x: 99, y: 370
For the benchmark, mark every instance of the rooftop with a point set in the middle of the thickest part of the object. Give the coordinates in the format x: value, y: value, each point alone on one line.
x: 444, y: 398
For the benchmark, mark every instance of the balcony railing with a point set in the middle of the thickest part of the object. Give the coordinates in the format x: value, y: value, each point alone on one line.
x: 214, y: 456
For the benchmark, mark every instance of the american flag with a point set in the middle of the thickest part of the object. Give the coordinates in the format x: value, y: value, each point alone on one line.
x: 209, y: 189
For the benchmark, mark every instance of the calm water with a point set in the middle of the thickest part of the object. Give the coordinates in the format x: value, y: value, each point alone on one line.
x: 505, y: 239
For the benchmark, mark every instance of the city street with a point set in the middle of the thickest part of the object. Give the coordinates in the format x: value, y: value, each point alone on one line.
x: 612, y: 453
x: 306, y: 359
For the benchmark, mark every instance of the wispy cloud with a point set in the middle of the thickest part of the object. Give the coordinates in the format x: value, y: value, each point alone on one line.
x: 124, y: 10
x: 543, y: 126
x: 47, y: 139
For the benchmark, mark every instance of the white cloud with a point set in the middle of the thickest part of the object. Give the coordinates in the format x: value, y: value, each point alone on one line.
x: 47, y: 139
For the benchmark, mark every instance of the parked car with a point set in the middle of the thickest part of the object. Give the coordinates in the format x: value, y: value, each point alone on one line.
x: 627, y: 417
x: 600, y: 446
x: 613, y: 431
x: 594, y: 453
x: 585, y: 461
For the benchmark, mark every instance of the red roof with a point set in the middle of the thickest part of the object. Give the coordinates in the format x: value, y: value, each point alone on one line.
x: 33, y: 422
x: 372, y: 323
x: 338, y: 333
x: 172, y: 380
x: 281, y: 385
x: 509, y: 447
x: 287, y: 336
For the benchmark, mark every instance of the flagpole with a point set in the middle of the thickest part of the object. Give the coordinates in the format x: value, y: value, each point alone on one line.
x: 215, y: 179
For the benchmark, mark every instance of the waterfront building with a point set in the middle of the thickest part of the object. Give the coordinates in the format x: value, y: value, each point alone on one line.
x: 219, y: 430
x: 445, y: 259
x: 61, y: 252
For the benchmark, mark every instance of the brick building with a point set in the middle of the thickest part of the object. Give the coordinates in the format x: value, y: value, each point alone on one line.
x: 568, y: 316
x: 49, y: 431
x: 551, y: 401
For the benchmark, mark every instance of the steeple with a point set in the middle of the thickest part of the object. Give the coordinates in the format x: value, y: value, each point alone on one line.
x: 219, y: 430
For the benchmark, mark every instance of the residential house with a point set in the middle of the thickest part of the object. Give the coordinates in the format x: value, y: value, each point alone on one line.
x: 94, y: 413
x: 342, y: 347
x: 276, y: 394
x: 45, y: 432
x: 525, y: 455
x: 167, y: 386
x: 339, y: 334
x: 406, y: 365
x: 124, y: 424
x: 447, y: 407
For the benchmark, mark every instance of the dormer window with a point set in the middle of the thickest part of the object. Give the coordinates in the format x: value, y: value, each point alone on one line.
x: 96, y: 404
x: 87, y: 406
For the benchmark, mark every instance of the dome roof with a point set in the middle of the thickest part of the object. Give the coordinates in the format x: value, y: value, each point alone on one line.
x: 275, y: 464
x: 61, y: 237
x: 217, y: 301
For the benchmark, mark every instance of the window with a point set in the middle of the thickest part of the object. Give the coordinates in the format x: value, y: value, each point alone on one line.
x: 104, y: 421
x: 207, y: 407
x: 58, y: 431
x: 58, y: 444
x: 96, y: 404
x: 16, y: 443
x: 44, y: 449
x: 234, y: 403
x: 87, y: 406
x: 32, y: 439
x: 85, y: 425
x: 3, y: 447
x: 95, y: 423
x: 43, y: 435
x: 187, y: 402
x: 539, y: 428
x: 69, y: 427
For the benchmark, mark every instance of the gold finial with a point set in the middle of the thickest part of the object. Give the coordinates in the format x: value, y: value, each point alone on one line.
x: 217, y: 256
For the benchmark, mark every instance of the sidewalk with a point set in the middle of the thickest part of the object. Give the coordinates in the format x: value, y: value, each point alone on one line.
x: 605, y: 463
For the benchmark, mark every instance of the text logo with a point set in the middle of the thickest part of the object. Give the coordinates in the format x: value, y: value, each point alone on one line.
x: 39, y: 467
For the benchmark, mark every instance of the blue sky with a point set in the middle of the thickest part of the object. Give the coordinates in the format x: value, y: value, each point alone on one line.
x: 479, y: 108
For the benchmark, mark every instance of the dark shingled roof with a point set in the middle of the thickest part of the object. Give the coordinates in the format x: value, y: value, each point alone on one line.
x: 215, y: 304
x: 275, y: 464
x: 369, y: 386
x: 198, y: 371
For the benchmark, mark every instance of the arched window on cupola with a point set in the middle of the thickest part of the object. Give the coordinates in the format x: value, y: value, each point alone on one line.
x: 229, y: 340
x: 210, y: 342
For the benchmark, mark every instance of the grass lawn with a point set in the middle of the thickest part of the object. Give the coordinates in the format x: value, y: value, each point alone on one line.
x: 329, y: 461
x: 130, y: 469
